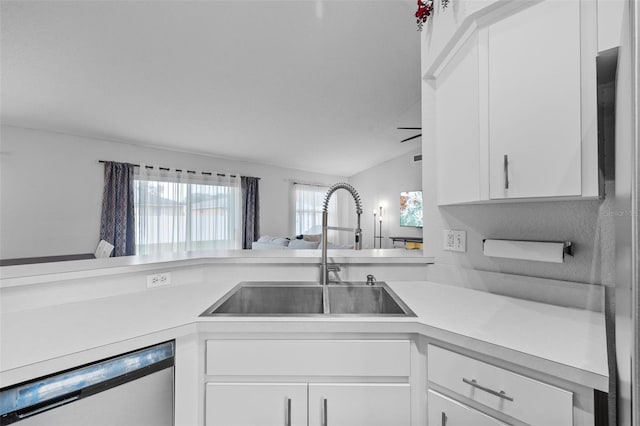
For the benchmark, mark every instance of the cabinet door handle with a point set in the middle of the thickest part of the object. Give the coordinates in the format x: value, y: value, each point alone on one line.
x: 444, y: 419
x: 287, y: 413
x: 500, y: 394
x: 506, y: 171
x: 325, y: 419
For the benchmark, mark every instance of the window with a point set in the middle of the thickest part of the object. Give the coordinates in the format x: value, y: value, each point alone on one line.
x: 308, y: 201
x: 180, y: 211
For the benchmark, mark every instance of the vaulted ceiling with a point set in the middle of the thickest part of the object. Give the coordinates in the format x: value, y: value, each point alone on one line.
x: 315, y: 85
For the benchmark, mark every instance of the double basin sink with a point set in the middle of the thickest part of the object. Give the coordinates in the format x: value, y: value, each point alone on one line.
x: 263, y: 298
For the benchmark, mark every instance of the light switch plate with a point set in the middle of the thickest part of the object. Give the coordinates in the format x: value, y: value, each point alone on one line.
x: 460, y: 241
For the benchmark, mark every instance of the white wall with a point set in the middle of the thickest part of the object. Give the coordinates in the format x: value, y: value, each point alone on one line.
x: 51, y: 188
x: 382, y: 185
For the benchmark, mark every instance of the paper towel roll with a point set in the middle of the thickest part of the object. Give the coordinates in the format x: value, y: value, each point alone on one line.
x: 526, y: 250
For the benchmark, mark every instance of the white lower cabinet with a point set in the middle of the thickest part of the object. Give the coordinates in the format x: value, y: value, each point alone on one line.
x: 275, y: 382
x: 359, y: 404
x: 251, y: 404
x: 499, y: 390
x: 445, y: 411
x: 327, y: 404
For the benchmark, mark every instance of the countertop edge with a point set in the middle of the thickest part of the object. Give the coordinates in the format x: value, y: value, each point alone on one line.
x: 18, y: 275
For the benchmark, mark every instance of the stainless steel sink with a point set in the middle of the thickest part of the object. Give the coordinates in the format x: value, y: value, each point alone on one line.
x: 309, y: 299
x: 365, y: 300
x: 261, y: 299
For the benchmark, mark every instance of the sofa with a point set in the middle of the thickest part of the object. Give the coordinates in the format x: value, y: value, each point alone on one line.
x: 298, y: 242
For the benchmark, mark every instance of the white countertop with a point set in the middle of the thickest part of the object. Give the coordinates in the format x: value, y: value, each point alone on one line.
x: 569, y: 343
x: 16, y: 275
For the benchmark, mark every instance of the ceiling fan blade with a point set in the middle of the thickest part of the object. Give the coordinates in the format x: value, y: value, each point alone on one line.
x: 412, y: 137
x: 409, y: 128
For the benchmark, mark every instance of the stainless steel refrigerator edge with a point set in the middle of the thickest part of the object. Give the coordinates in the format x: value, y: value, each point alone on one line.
x: 627, y: 302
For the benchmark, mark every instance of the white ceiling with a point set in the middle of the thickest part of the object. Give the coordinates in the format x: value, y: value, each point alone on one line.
x: 308, y: 84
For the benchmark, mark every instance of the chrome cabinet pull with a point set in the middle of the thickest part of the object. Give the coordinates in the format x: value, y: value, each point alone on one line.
x: 500, y: 394
x: 444, y: 419
x: 287, y: 414
x: 325, y: 420
x: 506, y: 171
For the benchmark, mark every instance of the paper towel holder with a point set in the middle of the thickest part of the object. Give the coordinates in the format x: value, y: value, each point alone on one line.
x: 568, y: 248
x: 541, y: 247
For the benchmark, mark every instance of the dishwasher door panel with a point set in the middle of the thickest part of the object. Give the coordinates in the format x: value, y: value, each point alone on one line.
x: 147, y: 401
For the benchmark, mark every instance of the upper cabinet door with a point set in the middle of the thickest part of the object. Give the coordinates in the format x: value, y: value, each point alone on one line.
x: 458, y: 127
x: 534, y: 102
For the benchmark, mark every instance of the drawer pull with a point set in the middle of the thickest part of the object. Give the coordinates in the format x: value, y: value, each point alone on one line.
x: 325, y: 418
x: 287, y: 419
x: 499, y: 394
x: 444, y: 419
x: 506, y: 171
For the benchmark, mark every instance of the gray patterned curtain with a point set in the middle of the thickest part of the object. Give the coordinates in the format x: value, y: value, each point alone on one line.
x: 250, y: 210
x: 117, y: 225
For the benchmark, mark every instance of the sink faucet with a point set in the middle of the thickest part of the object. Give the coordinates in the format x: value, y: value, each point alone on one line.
x: 325, y: 227
x: 371, y: 280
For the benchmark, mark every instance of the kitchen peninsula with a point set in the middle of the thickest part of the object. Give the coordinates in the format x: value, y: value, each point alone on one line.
x: 61, y: 316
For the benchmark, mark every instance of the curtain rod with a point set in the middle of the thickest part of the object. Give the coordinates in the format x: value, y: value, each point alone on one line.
x: 177, y: 170
x: 319, y: 185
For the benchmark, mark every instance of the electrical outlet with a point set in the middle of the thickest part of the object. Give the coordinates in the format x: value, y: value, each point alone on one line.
x: 455, y: 240
x: 158, y: 280
x: 448, y: 239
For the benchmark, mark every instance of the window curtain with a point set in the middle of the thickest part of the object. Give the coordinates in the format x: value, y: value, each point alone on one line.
x: 250, y: 210
x: 117, y: 224
x: 180, y: 211
x: 307, y: 201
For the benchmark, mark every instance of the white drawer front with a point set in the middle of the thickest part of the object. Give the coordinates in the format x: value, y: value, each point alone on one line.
x: 308, y: 358
x: 525, y: 399
x: 444, y: 411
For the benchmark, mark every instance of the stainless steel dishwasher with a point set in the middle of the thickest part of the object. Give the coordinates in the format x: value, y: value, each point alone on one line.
x: 135, y: 389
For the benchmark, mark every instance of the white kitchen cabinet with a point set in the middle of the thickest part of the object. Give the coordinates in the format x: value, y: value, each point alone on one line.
x: 515, y: 105
x: 535, y: 103
x: 500, y: 390
x: 321, y: 382
x: 445, y: 411
x: 323, y: 404
x: 359, y: 404
x: 610, y: 22
x: 457, y: 130
x: 251, y: 404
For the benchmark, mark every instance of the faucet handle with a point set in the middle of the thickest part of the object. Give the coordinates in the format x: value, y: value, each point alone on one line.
x: 358, y: 239
x: 371, y: 280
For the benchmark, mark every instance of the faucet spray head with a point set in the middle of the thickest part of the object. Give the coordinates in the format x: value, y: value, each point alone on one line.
x: 352, y: 191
